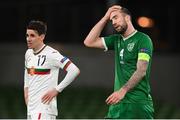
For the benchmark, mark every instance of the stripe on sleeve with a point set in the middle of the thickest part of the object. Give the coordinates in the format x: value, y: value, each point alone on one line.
x: 64, y: 59
x: 67, y: 64
x: 104, y: 44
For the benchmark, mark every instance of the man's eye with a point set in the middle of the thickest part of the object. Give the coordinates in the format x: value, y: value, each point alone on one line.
x: 32, y: 35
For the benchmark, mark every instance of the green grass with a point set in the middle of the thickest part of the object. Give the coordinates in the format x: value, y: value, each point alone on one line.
x: 74, y: 103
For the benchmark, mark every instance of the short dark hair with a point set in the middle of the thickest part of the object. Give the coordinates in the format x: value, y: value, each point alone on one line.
x: 126, y: 11
x: 37, y: 25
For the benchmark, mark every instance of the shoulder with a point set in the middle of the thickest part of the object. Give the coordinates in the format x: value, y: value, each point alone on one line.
x: 28, y: 52
x: 50, y: 50
x: 143, y: 38
x: 52, y: 53
x: 113, y: 36
x: 143, y: 35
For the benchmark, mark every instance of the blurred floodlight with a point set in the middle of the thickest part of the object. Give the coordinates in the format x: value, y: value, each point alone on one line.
x: 145, y: 22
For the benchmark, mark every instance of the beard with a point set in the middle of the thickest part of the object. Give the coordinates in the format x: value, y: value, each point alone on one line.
x: 122, y: 29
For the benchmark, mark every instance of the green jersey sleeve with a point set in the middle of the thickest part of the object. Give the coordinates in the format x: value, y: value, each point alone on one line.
x: 145, y: 48
x: 110, y: 41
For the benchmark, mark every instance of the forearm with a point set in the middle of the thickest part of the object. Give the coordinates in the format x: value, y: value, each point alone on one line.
x: 137, y: 76
x: 26, y: 95
x: 72, y: 73
x: 134, y: 80
x: 95, y: 32
x: 97, y: 29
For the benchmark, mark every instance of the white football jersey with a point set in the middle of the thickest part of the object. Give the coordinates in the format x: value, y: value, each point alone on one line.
x: 41, y: 74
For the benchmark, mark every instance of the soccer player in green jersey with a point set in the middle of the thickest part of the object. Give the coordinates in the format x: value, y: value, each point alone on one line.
x: 133, y: 49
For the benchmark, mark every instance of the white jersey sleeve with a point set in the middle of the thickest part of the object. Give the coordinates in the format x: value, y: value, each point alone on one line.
x: 72, y: 72
x: 58, y: 60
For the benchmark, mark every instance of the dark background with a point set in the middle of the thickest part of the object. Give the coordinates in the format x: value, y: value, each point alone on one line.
x: 69, y: 22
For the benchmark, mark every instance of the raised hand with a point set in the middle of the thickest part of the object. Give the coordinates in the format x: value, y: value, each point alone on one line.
x: 110, y: 10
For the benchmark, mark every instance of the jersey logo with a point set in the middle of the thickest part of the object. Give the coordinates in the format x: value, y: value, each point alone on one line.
x: 32, y: 70
x: 28, y: 59
x: 144, y: 50
x: 54, y: 52
x: 130, y: 46
x: 64, y: 59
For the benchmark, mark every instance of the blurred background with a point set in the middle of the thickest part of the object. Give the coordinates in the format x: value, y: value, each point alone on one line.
x: 69, y: 21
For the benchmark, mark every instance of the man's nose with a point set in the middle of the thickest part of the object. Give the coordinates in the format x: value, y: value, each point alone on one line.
x: 114, y: 24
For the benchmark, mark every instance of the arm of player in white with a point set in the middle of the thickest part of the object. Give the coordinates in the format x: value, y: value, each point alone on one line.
x: 26, y: 84
x: 26, y: 95
x: 72, y: 72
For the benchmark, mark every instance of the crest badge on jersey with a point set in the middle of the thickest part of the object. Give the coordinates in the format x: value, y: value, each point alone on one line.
x: 130, y: 46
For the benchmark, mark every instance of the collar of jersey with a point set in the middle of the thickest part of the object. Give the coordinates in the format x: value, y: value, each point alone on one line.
x: 125, y: 38
x: 35, y: 53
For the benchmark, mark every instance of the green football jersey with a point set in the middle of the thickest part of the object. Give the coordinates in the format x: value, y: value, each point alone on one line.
x: 126, y: 57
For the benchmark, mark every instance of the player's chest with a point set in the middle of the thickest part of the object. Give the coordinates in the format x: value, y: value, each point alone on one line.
x: 37, y: 61
x: 127, y: 51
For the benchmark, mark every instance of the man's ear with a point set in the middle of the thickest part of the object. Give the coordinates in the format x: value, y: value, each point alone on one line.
x: 42, y: 36
x: 127, y: 18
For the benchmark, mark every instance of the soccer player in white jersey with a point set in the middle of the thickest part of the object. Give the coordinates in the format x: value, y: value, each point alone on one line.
x: 42, y: 64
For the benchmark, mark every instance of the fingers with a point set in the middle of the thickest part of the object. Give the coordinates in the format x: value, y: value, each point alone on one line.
x: 116, y: 97
x: 116, y: 7
x: 112, y: 99
x: 110, y: 10
x: 46, y: 99
x: 26, y: 101
x: 109, y: 99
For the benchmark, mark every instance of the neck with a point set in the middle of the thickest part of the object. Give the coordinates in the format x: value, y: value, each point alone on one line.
x: 129, y: 31
x: 38, y: 48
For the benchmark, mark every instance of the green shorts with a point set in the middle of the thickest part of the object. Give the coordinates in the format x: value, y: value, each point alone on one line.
x: 131, y: 111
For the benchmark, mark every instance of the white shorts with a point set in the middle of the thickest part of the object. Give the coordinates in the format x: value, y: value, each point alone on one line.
x: 41, y: 116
